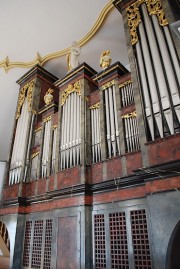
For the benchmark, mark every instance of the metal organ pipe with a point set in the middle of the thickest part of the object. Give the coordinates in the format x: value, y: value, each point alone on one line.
x: 107, y: 122
x: 151, y: 78
x: 115, y: 118
x: 145, y: 90
x: 158, y: 68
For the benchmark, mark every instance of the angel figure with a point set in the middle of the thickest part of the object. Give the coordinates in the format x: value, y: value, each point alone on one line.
x: 73, y: 56
x: 105, y: 59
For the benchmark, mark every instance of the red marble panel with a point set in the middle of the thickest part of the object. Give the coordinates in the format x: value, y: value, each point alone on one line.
x: 10, y: 192
x: 114, y: 168
x: 67, y: 243
x: 93, y: 98
x: 133, y: 162
x: 51, y: 183
x: 97, y: 172
x: 28, y: 189
x: 164, y: 150
x: 41, y: 187
x: 68, y: 177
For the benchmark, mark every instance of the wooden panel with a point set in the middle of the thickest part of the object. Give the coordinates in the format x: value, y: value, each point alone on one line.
x: 67, y: 243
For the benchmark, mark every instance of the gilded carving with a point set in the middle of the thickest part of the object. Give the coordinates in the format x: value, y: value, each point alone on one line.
x: 134, y: 18
x: 48, y: 97
x: 130, y: 115
x: 34, y: 154
x: 54, y: 126
x: 97, y: 105
x: 47, y: 119
x: 155, y: 8
x: 70, y: 89
x: 125, y: 83
x: 27, y: 89
x: 108, y: 84
x: 105, y: 59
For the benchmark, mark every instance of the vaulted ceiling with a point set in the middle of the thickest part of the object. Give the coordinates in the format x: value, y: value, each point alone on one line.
x: 41, y: 31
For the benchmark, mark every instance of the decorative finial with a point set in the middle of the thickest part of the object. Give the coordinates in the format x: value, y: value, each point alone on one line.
x: 48, y: 97
x: 105, y: 59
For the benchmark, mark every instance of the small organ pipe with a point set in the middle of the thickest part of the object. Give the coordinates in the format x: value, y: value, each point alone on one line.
x: 107, y: 122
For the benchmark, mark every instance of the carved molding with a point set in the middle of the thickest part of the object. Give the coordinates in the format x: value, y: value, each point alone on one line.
x: 70, y: 89
x: 28, y: 88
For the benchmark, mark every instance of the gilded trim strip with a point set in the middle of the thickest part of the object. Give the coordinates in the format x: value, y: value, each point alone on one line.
x: 97, y: 105
x: 108, y: 84
x: 130, y: 115
x: 54, y: 126
x: 33, y: 155
x: 38, y: 129
x: 47, y: 119
x: 125, y: 83
x: 6, y: 64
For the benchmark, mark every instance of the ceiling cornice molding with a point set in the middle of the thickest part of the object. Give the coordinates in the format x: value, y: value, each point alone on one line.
x: 7, y: 64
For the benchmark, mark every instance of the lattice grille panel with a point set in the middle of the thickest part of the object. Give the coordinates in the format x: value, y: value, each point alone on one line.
x: 47, y: 247
x: 118, y: 241
x: 140, y: 239
x: 37, y: 244
x: 99, y: 241
x: 27, y: 243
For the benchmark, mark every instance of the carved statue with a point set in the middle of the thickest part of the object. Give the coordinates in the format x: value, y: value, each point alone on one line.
x: 73, y: 56
x: 48, y: 97
x: 105, y: 59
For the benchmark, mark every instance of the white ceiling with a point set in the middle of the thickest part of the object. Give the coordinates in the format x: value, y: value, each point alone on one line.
x: 45, y: 26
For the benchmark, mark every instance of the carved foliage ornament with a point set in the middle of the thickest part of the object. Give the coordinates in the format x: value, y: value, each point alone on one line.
x: 27, y: 90
x: 70, y: 89
x: 134, y: 18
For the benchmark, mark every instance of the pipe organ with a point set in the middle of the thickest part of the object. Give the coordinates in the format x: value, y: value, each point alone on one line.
x: 24, y: 118
x: 93, y: 153
x: 158, y: 66
x: 95, y: 132
x: 46, y: 145
x: 54, y: 144
x: 112, y: 132
x: 71, y: 126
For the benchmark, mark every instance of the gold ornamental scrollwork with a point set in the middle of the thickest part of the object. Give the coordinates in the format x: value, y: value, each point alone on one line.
x: 125, y: 83
x: 27, y: 89
x: 155, y: 8
x: 134, y: 18
x: 108, y: 84
x: 97, y: 105
x: 70, y: 89
x: 130, y: 115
